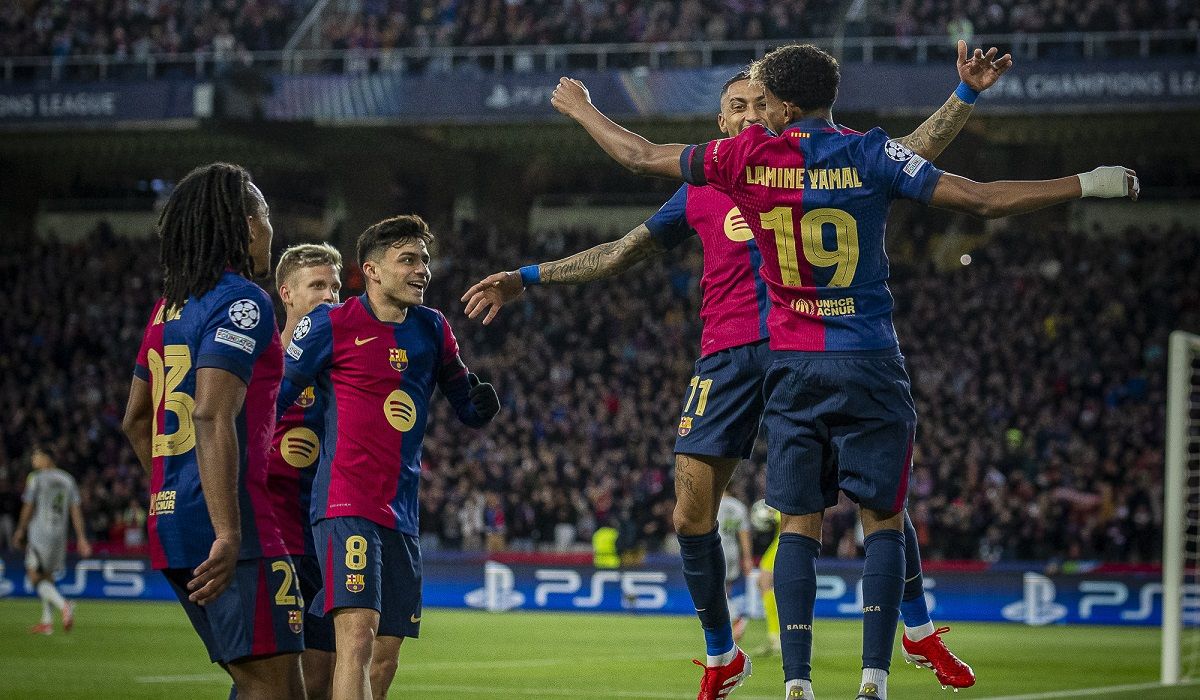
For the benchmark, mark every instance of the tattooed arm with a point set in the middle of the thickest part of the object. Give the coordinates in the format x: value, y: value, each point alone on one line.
x: 596, y: 263
x: 978, y: 72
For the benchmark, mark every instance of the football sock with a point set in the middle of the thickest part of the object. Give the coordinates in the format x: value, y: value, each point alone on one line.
x: 805, y: 687
x: 882, y: 587
x: 48, y: 593
x: 795, y: 595
x: 878, y: 678
x: 704, y: 571
x: 47, y: 614
x: 912, y: 606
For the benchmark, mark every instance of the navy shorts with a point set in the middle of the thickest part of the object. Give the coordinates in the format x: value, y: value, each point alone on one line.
x: 260, y: 614
x: 367, y: 565
x: 723, y: 403
x: 318, y: 629
x: 838, y: 421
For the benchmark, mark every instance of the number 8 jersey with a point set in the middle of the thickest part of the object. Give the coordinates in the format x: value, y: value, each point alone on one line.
x: 232, y: 327
x: 817, y: 198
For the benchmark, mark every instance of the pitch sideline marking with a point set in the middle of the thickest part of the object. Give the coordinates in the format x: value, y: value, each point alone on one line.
x: 1090, y: 691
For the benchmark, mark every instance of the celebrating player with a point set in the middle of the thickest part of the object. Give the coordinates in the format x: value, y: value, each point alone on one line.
x: 307, y: 275
x: 50, y: 493
x: 838, y: 407
x: 200, y: 416
x: 377, y: 358
x: 718, y: 429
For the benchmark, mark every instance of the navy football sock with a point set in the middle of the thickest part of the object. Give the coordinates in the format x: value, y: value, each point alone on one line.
x: 912, y: 605
x: 795, y: 595
x: 704, y: 571
x: 883, y: 584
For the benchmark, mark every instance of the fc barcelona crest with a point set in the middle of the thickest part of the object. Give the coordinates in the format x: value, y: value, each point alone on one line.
x: 295, y: 621
x: 685, y: 425
x: 307, y: 397
x: 398, y: 359
x: 355, y: 583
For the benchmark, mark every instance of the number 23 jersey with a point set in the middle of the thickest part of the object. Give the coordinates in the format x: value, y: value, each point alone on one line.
x: 232, y: 328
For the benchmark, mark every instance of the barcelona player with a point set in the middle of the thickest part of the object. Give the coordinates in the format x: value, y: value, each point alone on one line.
x: 200, y: 416
x: 718, y: 428
x: 377, y: 359
x: 839, y: 409
x: 307, y: 275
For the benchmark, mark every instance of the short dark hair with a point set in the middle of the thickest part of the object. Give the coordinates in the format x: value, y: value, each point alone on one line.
x: 801, y: 74
x: 389, y: 232
x: 738, y: 77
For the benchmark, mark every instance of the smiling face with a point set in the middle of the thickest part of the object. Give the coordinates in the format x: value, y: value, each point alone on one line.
x: 401, y: 272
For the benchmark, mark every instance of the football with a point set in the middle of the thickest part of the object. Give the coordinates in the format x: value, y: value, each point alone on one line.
x: 762, y: 516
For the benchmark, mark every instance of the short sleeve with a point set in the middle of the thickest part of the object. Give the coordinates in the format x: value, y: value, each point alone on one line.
x: 905, y: 174
x: 238, y: 329
x: 29, y: 495
x: 669, y: 225
x: 310, y: 347
x: 141, y: 366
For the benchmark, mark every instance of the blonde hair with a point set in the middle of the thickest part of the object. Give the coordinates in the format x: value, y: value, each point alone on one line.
x: 305, y: 255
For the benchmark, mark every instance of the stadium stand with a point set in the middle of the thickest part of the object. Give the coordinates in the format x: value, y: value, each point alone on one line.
x: 1032, y: 445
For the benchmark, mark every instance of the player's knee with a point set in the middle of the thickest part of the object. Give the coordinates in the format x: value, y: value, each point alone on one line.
x: 690, y: 520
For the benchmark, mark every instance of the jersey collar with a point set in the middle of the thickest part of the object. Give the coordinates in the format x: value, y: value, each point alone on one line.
x: 811, y: 123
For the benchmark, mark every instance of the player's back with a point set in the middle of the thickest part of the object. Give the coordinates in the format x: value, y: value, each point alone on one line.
x: 54, y: 491
x: 230, y: 328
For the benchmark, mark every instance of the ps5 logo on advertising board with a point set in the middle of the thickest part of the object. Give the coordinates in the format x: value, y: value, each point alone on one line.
x: 1038, y: 606
x: 122, y: 577
x: 639, y: 590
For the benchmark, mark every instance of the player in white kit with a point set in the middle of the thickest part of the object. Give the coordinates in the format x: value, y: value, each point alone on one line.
x: 50, y: 493
x: 733, y: 520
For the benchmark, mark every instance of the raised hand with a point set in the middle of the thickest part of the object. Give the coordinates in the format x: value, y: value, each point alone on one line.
x: 981, y: 70
x: 492, y: 292
x: 570, y: 97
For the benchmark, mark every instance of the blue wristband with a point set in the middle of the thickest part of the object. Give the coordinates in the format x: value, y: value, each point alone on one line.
x: 531, y: 275
x: 965, y: 93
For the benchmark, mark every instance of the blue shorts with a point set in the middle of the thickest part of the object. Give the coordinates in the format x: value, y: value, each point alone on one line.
x: 366, y: 565
x: 723, y: 403
x: 838, y: 421
x: 260, y: 614
x: 318, y: 629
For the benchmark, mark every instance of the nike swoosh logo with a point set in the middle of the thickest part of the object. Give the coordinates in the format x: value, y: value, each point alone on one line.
x: 414, y: 619
x: 364, y: 341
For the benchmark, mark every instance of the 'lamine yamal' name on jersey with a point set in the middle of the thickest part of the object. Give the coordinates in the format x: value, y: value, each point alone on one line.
x: 378, y: 378
x: 232, y: 328
x: 817, y: 198
x: 734, y: 304
x: 293, y: 469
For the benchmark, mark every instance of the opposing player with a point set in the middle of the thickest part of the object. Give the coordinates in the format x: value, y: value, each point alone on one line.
x: 839, y: 410
x: 200, y: 416
x: 307, y: 275
x: 764, y: 517
x: 733, y: 525
x: 718, y: 428
x: 377, y: 359
x: 50, y: 494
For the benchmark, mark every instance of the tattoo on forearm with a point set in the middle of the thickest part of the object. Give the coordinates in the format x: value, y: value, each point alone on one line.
x: 604, y: 260
x: 933, y: 136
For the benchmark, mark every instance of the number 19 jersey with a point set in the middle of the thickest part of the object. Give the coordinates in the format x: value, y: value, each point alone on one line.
x: 231, y: 327
x: 817, y: 197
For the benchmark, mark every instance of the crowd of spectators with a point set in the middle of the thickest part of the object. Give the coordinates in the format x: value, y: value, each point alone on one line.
x: 1038, y: 370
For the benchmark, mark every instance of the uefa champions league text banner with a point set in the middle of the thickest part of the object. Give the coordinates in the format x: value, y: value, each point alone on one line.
x: 97, y: 103
x: 1011, y: 594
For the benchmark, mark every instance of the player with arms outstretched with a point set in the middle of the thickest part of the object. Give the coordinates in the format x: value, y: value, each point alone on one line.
x: 201, y: 415
x: 717, y: 429
x: 377, y: 359
x: 307, y: 275
x: 50, y: 494
x: 839, y: 410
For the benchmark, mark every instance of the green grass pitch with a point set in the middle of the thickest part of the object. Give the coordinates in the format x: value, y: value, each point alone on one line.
x: 148, y: 650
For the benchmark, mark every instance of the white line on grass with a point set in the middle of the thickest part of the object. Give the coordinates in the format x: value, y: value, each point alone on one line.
x: 1088, y: 691
x: 193, y: 678
x: 559, y: 692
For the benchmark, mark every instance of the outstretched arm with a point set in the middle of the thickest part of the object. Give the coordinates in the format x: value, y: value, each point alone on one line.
x: 978, y: 73
x: 596, y: 263
x: 627, y: 148
x: 993, y: 200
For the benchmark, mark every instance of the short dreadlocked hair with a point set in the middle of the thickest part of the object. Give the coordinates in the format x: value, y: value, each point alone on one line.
x: 204, y: 231
x: 303, y: 255
x: 387, y: 233
x: 801, y: 74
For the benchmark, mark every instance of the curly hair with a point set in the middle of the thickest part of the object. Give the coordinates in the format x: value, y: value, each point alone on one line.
x: 801, y: 74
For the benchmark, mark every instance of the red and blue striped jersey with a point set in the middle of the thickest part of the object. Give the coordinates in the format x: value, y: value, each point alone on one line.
x: 293, y: 468
x: 377, y: 378
x: 232, y: 327
x: 817, y: 198
x: 734, y: 303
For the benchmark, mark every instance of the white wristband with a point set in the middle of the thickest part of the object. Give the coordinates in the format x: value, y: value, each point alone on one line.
x: 1107, y: 181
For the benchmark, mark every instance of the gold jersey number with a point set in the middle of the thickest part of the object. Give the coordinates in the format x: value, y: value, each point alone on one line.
x: 167, y: 372
x: 812, y: 242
